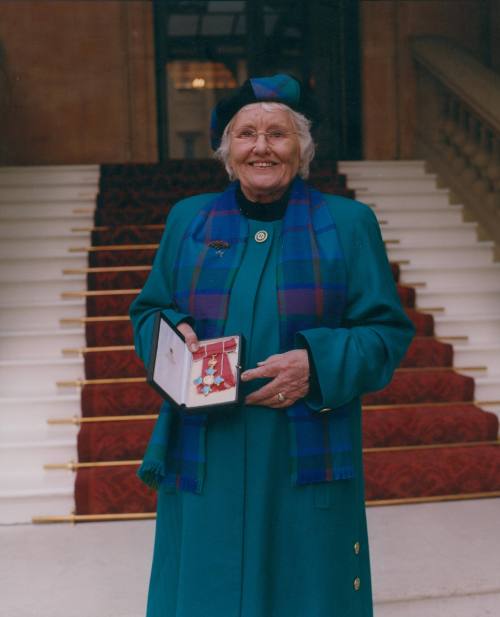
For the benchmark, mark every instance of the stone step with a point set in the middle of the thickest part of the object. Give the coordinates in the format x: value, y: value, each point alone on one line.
x: 49, y: 175
x: 37, y: 377
x: 47, y: 194
x: 36, y: 220
x: 41, y: 268
x: 41, y: 432
x: 27, y: 413
x: 42, y: 482
x: 18, y: 507
x: 460, y: 301
x: 488, y: 389
x: 382, y: 169
x: 24, y: 344
x: 478, y: 327
x: 455, y: 275
x: 412, y: 184
x: 478, y: 355
x: 34, y: 228
x: 45, y: 290
x: 457, y: 235
x: 29, y: 457
x: 46, y: 210
x: 13, y: 248
x: 470, y: 254
x: 406, y: 201
x: 441, y: 216
x: 39, y: 315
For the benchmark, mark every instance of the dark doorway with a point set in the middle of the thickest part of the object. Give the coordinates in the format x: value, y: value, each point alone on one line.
x: 206, y: 48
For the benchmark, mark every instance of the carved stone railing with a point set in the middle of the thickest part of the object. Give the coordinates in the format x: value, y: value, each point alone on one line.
x: 458, y: 126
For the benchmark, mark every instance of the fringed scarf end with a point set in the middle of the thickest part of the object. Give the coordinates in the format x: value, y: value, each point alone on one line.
x: 152, y: 473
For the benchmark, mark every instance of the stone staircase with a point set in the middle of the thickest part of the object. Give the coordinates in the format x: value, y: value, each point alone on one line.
x: 37, y: 216
x: 455, y: 273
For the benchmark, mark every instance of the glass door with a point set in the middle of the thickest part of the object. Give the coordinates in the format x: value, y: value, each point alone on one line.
x: 204, y: 49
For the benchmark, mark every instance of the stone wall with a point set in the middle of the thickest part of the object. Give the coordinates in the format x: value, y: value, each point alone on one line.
x: 388, y: 73
x: 77, y: 77
x: 77, y: 82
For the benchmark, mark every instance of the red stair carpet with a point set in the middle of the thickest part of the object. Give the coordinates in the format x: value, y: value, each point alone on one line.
x: 424, y: 437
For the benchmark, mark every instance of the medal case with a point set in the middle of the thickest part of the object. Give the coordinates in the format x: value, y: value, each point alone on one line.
x: 195, y: 381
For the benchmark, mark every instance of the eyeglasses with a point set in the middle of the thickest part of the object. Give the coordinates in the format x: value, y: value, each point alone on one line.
x: 273, y: 136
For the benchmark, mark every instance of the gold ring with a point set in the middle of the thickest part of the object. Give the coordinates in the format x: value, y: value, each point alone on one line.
x: 281, y: 397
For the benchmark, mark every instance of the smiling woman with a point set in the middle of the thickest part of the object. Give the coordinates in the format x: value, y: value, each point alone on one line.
x: 261, y: 508
x: 264, y: 169
x: 264, y: 146
x: 275, y: 136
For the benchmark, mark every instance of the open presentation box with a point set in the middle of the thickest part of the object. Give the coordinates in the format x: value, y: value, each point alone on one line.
x: 199, y: 381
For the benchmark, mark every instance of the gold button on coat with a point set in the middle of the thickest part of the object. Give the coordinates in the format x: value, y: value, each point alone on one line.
x: 357, y: 583
x: 357, y: 548
x: 261, y: 236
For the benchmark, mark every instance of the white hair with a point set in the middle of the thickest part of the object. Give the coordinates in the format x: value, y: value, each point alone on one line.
x: 302, y: 127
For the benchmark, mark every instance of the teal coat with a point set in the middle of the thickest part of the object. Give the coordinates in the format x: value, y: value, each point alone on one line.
x: 253, y: 545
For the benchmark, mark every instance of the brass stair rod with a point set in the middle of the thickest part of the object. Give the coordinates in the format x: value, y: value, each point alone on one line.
x: 84, y: 350
x: 103, y: 269
x: 103, y: 292
x: 92, y: 518
x: 152, y: 416
x: 429, y: 404
x: 449, y: 338
x: 70, y: 320
x: 402, y: 501
x: 135, y: 516
x: 123, y: 317
x: 98, y: 293
x: 432, y: 446
x: 77, y: 383
x: 83, y: 320
x: 103, y: 228
x: 152, y: 246
x: 77, y: 420
x: 433, y: 337
x: 72, y: 465
x: 113, y: 247
x: 417, y: 369
x: 113, y: 380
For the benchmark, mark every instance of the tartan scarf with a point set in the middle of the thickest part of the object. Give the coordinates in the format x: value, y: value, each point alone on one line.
x: 311, y: 281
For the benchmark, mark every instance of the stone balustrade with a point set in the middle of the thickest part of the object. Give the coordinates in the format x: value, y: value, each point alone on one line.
x: 458, y: 126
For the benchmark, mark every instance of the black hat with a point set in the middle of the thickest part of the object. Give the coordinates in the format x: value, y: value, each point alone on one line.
x: 279, y: 88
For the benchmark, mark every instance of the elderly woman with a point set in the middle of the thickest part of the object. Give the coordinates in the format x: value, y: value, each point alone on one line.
x: 261, y: 506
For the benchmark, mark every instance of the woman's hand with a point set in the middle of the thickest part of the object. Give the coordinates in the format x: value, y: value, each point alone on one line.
x: 189, y: 334
x: 291, y: 379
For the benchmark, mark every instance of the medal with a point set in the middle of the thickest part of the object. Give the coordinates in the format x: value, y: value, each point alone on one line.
x: 216, y: 373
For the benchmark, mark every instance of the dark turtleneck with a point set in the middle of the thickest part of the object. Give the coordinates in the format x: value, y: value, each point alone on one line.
x: 272, y: 211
